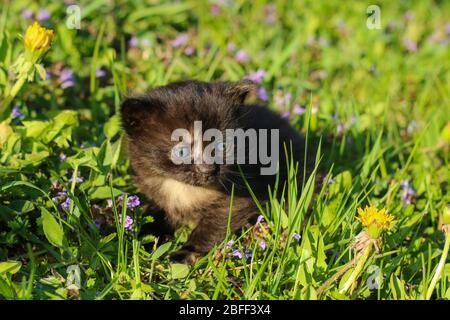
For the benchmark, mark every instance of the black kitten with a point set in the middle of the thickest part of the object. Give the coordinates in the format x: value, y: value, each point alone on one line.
x: 198, y: 192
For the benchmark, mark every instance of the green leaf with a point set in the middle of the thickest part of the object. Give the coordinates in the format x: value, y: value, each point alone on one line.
x: 104, y: 192
x: 179, y: 270
x: 52, y: 229
x: 161, y: 250
x: 112, y: 126
x: 10, y: 267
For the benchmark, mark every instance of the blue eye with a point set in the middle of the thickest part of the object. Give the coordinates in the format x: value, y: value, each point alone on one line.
x: 221, y: 146
x: 182, y: 151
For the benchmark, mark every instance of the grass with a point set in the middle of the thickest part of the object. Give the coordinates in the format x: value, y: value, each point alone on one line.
x: 379, y: 104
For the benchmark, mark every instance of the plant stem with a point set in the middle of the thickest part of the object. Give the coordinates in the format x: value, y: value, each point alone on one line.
x: 441, y: 264
x: 358, y: 268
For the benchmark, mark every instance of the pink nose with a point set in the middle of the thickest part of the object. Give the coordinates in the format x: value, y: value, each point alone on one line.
x: 205, y: 168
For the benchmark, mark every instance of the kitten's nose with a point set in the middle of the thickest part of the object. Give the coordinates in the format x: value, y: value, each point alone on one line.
x: 205, y: 168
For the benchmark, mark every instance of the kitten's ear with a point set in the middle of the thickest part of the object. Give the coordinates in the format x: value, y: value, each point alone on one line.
x: 137, y: 113
x: 238, y: 91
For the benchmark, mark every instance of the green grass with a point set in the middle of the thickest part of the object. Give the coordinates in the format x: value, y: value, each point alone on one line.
x: 380, y: 109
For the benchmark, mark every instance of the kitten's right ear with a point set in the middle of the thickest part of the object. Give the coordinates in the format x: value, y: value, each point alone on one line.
x: 137, y: 113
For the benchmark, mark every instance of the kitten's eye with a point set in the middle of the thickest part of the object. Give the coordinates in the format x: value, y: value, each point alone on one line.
x: 221, y: 146
x: 181, y: 151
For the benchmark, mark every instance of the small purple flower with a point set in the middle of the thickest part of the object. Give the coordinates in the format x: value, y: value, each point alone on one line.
x: 340, y: 129
x: 179, y: 40
x: 55, y: 184
x: 263, y: 245
x: 109, y: 203
x: 214, y: 9
x: 354, y: 119
x: 285, y: 114
x: 99, y: 72
x: 133, y: 42
x: 27, y: 14
x: 404, y: 184
x: 270, y: 12
x: 66, y: 204
x: 43, y: 15
x: 283, y: 99
x: 66, y: 78
x: 230, y: 244
x: 334, y: 116
x: 98, y: 223
x: 241, y: 55
x: 62, y: 156
x: 247, y: 254
x: 189, y: 51
x: 409, y: 44
x: 128, y: 222
x: 256, y: 76
x: 132, y: 202
x: 296, y: 236
x: 260, y: 219
x: 15, y: 113
x: 408, y: 196
x: 236, y: 253
x: 146, y: 42
x: 77, y: 179
x: 298, y: 109
x: 261, y: 93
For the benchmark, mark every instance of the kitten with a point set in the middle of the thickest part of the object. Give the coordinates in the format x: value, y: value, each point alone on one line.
x: 199, y: 193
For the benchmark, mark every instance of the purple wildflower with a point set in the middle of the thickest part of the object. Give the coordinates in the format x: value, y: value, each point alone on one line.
x: 66, y: 78
x: 408, y: 196
x: 404, y: 184
x: 62, y: 156
x: 296, y: 236
x: 55, y: 184
x: 66, y: 204
x: 282, y: 99
x: 409, y: 44
x: 285, y: 114
x: 99, y: 72
x: 247, y: 254
x: 179, y: 40
x: 214, y: 9
x: 109, y: 203
x: 77, y: 179
x: 260, y: 219
x: 189, y: 51
x: 43, y: 15
x: 133, y: 42
x: 132, y: 202
x: 263, y: 245
x: 146, y: 42
x: 256, y: 76
x: 298, y: 109
x: 230, y: 244
x: 27, y: 14
x: 270, y: 12
x: 128, y: 222
x: 262, y: 94
x: 241, y: 56
x: 236, y: 253
x: 340, y: 129
x: 98, y: 223
x: 15, y: 113
x: 334, y: 116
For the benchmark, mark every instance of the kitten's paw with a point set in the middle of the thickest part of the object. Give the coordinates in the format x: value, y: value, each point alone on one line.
x: 184, y: 256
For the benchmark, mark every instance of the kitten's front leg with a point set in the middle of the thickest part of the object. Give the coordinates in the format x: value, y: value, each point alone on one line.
x: 212, y: 229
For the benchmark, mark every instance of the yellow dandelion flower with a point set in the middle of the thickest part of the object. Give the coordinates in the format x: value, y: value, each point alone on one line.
x: 38, y: 38
x: 375, y: 221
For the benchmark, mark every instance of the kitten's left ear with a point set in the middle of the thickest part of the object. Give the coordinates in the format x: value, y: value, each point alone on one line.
x: 137, y: 113
x: 238, y: 91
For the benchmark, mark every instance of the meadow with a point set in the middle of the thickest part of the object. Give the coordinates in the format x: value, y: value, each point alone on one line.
x: 372, y: 96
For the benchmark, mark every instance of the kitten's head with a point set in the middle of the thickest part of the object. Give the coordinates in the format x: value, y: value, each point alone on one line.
x: 150, y: 121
